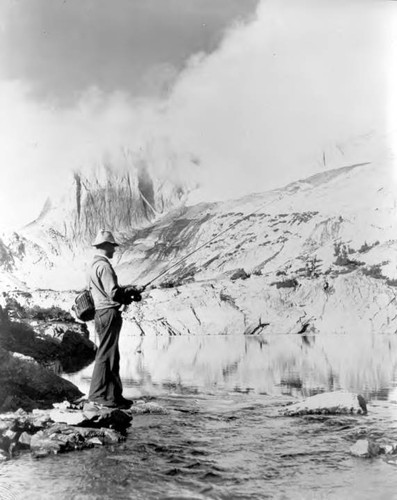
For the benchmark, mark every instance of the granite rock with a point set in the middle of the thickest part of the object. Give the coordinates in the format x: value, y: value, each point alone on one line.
x: 328, y: 403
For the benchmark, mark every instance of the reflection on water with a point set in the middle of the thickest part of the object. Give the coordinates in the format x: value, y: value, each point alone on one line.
x: 298, y: 365
x: 224, y: 437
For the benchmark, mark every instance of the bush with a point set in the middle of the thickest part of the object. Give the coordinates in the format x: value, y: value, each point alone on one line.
x: 239, y: 274
x: 374, y: 271
x: 48, y: 313
x: 288, y: 283
x: 14, y: 310
x: 168, y: 284
x: 366, y: 248
x: 341, y: 252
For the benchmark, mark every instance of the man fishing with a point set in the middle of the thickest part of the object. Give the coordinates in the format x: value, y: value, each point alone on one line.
x: 106, y: 387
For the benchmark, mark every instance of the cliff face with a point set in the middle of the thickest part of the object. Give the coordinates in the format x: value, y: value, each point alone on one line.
x: 317, y: 255
x: 121, y: 198
x: 52, y: 250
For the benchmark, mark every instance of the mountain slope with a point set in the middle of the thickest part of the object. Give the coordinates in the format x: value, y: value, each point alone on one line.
x: 349, y: 210
x: 319, y: 254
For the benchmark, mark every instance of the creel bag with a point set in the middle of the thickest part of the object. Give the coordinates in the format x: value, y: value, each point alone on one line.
x: 83, y: 306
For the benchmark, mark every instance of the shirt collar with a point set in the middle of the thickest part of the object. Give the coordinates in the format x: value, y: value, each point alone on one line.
x: 101, y: 257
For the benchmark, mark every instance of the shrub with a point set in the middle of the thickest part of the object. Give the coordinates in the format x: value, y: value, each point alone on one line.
x: 239, y: 274
x: 288, y: 283
x: 341, y: 252
x: 13, y: 308
x: 374, y: 271
x: 48, y: 313
x: 366, y: 248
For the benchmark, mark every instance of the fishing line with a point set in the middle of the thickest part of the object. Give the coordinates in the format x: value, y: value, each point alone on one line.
x: 238, y: 222
x: 235, y: 223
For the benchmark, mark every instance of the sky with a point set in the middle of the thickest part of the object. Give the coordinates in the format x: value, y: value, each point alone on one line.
x: 257, y: 92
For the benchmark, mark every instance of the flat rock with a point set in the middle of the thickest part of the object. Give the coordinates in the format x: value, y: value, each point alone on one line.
x: 70, y: 417
x: 328, y: 403
x: 92, y: 416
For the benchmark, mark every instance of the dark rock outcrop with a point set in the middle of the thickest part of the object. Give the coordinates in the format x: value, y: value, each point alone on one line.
x: 25, y: 384
x: 64, y: 346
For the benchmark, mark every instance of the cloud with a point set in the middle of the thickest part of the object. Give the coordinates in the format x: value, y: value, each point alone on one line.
x: 63, y: 47
x: 302, y: 87
x: 304, y: 81
x: 42, y: 144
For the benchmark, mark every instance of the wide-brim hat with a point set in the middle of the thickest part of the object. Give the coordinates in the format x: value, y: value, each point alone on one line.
x: 104, y: 236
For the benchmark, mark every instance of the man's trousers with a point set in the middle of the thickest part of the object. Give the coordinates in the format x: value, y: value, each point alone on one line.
x: 106, y: 387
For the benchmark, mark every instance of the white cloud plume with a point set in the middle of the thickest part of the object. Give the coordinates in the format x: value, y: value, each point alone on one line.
x: 304, y: 83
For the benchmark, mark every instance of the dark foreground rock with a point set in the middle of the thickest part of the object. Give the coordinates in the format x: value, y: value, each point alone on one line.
x: 25, y: 354
x: 65, y: 428
x: 27, y: 385
x: 328, y: 403
x: 61, y: 345
x: 62, y: 438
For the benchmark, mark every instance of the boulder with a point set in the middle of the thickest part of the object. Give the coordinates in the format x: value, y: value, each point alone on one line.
x: 365, y: 448
x: 48, y: 342
x: 388, y: 449
x: 25, y: 439
x: 27, y: 385
x: 328, y: 403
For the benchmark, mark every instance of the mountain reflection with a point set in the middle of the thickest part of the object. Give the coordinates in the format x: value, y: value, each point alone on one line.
x: 298, y: 365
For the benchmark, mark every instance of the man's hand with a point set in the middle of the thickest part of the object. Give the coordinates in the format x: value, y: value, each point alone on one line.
x: 134, y: 292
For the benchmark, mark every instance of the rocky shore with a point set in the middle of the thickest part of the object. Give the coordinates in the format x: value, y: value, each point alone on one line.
x: 64, y: 428
x: 40, y: 412
x: 35, y: 346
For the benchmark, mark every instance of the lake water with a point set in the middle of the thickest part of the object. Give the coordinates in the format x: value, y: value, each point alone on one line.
x: 224, y: 437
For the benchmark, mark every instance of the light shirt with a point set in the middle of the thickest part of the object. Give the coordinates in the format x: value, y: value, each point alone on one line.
x: 103, y: 283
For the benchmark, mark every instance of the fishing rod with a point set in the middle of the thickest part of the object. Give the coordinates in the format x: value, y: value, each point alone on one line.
x: 235, y: 223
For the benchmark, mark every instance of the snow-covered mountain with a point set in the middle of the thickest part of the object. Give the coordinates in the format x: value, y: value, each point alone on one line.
x: 319, y: 254
x: 304, y: 226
